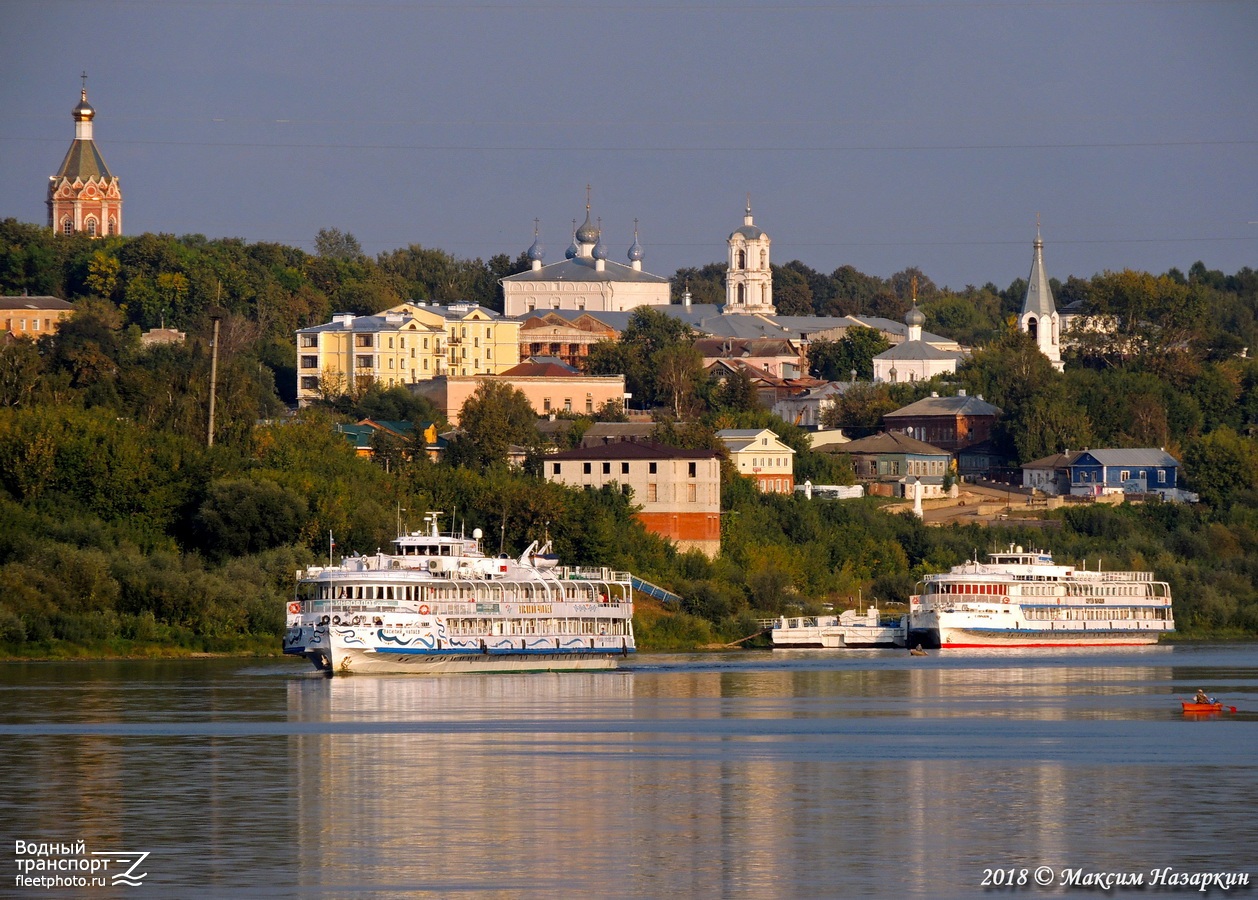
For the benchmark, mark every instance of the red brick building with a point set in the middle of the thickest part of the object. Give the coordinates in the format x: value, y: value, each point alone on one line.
x: 84, y: 195
x: 679, y: 491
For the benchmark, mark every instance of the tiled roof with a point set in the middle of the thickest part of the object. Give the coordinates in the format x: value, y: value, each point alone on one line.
x: 83, y: 161
x: 946, y: 406
x: 1134, y: 456
x: 632, y: 450
x: 48, y: 303
x: 581, y: 268
x: 540, y: 370
x: 892, y: 442
x: 913, y: 350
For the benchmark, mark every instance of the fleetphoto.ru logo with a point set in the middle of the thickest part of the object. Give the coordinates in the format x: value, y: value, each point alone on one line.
x: 52, y: 864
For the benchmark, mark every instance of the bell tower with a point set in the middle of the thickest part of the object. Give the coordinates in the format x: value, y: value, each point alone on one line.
x: 84, y: 195
x: 749, y: 280
x: 1039, y: 314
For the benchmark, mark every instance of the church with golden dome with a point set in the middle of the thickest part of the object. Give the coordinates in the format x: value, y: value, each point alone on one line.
x: 84, y: 195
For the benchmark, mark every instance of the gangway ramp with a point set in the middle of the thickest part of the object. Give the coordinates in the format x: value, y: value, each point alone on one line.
x: 654, y: 590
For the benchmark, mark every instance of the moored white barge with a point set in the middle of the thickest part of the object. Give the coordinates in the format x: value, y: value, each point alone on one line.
x: 849, y: 629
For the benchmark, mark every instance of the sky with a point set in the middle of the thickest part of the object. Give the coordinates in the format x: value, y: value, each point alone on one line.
x: 881, y: 134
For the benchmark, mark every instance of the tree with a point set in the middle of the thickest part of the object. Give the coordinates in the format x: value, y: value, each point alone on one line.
x: 737, y: 393
x: 851, y: 293
x: 20, y: 370
x: 493, y: 418
x: 859, y: 409
x: 678, y: 368
x: 1220, y: 465
x: 792, y: 295
x: 835, y: 360
x: 333, y: 243
x: 248, y: 515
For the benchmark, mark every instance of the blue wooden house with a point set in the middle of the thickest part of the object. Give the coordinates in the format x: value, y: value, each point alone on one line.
x: 1132, y: 471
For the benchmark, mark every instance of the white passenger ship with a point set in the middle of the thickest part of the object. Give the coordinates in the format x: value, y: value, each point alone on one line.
x: 1023, y: 599
x: 438, y: 604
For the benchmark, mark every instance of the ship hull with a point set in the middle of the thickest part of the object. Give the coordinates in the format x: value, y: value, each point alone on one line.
x: 962, y: 638
x: 344, y: 651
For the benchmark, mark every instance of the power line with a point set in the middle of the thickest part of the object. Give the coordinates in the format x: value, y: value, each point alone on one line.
x: 697, y: 148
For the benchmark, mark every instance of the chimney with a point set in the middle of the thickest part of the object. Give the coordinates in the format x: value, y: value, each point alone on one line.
x: 961, y: 393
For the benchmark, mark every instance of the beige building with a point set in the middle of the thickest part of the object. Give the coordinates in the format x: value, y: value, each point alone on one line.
x: 760, y: 454
x: 406, y: 344
x: 33, y: 317
x: 679, y: 491
x: 550, y: 388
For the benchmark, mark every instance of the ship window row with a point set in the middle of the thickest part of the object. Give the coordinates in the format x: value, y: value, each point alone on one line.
x: 986, y: 589
x: 1107, y: 590
x: 1106, y: 614
x: 539, y: 626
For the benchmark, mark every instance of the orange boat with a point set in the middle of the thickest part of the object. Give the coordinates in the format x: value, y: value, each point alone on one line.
x: 1201, y: 707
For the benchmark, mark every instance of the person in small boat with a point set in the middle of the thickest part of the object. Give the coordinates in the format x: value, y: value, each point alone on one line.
x: 1202, y: 697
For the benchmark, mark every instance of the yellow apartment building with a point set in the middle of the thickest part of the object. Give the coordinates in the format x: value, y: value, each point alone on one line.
x: 403, y: 345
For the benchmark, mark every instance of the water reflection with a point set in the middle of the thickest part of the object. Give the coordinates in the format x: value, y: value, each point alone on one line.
x: 744, y: 776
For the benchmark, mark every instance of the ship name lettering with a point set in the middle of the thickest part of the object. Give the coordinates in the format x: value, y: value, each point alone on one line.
x: 1094, y: 600
x: 535, y: 608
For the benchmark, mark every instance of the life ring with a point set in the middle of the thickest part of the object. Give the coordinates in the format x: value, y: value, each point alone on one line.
x: 294, y: 608
x: 1005, y: 600
x: 336, y: 620
x: 423, y: 609
x: 358, y: 620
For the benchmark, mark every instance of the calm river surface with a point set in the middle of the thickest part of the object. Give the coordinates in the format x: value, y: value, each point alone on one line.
x: 797, y: 774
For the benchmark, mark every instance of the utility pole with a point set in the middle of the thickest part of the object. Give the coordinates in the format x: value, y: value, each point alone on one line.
x: 216, y: 314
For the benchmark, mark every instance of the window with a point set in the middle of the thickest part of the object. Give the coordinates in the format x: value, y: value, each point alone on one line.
x: 310, y: 382
x: 91, y: 227
x: 546, y: 405
x: 555, y: 470
x: 694, y: 469
x: 651, y: 468
x: 585, y: 468
x: 310, y: 362
x: 567, y: 404
x: 1124, y: 475
x: 624, y: 468
x: 309, y: 340
x: 692, y: 493
x: 35, y: 325
x: 607, y: 468
x: 1161, y: 476
x: 652, y: 494
x: 67, y: 227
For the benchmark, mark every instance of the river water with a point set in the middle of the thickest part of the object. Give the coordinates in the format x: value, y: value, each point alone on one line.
x: 796, y: 774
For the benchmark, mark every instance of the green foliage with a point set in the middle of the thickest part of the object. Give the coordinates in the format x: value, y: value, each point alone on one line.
x: 494, y: 418
x: 121, y: 532
x: 855, y: 351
